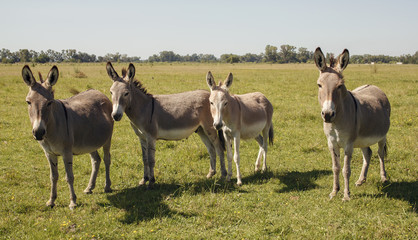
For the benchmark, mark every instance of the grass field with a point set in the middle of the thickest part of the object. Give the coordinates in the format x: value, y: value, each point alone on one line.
x: 289, y: 201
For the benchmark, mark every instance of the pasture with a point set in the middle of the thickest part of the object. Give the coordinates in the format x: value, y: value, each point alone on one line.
x: 290, y: 200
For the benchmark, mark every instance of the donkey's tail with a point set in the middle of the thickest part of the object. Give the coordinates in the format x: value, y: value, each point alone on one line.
x: 222, y: 139
x: 271, y: 135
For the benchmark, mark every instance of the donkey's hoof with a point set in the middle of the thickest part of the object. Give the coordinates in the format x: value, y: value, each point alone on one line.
x: 108, y: 190
x: 332, y: 194
x: 50, y: 204
x: 228, y: 178
x: 360, y: 182
x: 239, y: 183
x: 142, y: 182
x: 88, y: 191
x: 72, y: 205
x: 346, y: 198
x: 384, y: 180
x: 211, y: 174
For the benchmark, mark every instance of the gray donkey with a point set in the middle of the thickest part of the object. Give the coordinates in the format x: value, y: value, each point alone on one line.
x: 78, y: 125
x: 352, y: 119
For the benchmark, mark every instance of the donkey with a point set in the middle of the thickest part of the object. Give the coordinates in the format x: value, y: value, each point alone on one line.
x: 78, y: 125
x: 165, y: 117
x: 240, y: 116
x: 352, y: 119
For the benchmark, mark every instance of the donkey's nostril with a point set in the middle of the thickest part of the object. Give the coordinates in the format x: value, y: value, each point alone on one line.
x: 38, y: 134
x: 117, y: 116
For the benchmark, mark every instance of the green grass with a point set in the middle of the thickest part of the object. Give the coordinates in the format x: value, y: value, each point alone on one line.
x: 289, y: 201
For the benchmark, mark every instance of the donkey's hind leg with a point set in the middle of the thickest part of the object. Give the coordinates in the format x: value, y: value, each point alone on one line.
x: 382, y: 152
x: 367, y: 154
x: 259, y: 140
x: 95, y: 164
x: 211, y: 151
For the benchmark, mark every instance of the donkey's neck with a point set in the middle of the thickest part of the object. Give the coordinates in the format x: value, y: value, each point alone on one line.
x: 139, y: 103
x: 346, y: 115
x: 57, y: 125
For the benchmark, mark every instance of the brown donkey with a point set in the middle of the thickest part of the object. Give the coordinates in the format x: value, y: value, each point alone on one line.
x: 241, y: 117
x: 80, y: 124
x: 356, y: 119
x: 165, y: 117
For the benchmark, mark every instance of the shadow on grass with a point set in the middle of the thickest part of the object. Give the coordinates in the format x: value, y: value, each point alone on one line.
x: 301, y: 181
x: 406, y: 191
x: 142, y: 205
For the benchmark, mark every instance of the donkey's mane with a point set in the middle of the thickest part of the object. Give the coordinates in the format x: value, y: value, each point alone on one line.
x: 136, y: 83
x: 332, y: 61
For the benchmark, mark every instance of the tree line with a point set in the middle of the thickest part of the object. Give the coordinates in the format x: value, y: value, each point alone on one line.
x: 272, y: 54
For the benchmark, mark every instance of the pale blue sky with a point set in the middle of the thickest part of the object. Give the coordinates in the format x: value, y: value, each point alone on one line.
x: 143, y: 28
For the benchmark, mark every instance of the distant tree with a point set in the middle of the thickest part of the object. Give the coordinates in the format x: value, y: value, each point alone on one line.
x: 250, y: 57
x: 287, y: 54
x: 270, y: 54
x: 207, y: 58
x: 229, y: 58
x: 24, y: 55
x: 304, y: 55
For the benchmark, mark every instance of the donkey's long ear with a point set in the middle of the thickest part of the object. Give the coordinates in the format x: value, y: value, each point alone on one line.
x: 28, y: 76
x: 52, y: 78
x: 228, y: 81
x: 210, y: 80
x: 343, y: 60
x: 320, y: 60
x: 111, y: 72
x: 131, y: 72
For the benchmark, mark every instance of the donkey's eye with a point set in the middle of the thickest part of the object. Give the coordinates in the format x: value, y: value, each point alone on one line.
x: 111, y: 93
x: 28, y: 102
x: 319, y: 85
x: 49, y: 103
x: 211, y: 103
x: 339, y: 86
x: 126, y: 94
x: 225, y: 103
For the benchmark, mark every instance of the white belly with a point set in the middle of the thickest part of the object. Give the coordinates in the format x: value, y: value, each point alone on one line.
x: 253, y: 130
x: 174, y: 134
x: 362, y: 142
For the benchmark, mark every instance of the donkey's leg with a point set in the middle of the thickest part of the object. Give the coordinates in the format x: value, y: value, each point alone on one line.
x: 95, y: 164
x: 367, y: 154
x: 219, y: 148
x: 53, y: 166
x: 336, y: 167
x: 144, y: 148
x: 348, y: 152
x: 68, y: 162
x: 151, y: 162
x: 237, y: 158
x: 259, y: 140
x: 228, y: 156
x: 265, y: 145
x: 107, y: 162
x: 211, y: 150
x: 382, y: 151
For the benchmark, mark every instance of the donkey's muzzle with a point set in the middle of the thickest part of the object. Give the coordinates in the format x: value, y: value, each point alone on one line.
x: 117, y: 116
x: 328, y: 116
x: 39, y: 134
x: 218, y: 126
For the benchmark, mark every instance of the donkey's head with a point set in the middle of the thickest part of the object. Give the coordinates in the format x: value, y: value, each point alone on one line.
x: 331, y: 83
x: 40, y: 99
x: 121, y: 89
x: 219, y: 97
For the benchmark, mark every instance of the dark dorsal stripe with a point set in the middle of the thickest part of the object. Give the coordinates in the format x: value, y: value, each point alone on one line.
x: 355, y: 107
x: 66, y: 115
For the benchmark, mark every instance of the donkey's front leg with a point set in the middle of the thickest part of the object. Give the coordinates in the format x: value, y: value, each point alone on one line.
x: 336, y: 167
x: 53, y: 166
x: 144, y: 147
x: 348, y: 151
x: 68, y: 162
x: 237, y: 158
x: 151, y: 162
x: 228, y: 155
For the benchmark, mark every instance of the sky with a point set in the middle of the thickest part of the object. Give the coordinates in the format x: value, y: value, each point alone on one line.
x: 143, y: 28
